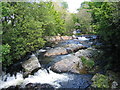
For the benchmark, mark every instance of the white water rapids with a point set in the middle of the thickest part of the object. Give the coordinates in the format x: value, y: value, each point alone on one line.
x: 41, y: 76
x: 82, y: 38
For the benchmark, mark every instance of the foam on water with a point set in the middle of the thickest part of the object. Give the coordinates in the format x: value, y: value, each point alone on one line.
x: 82, y: 38
x: 41, y: 76
x: 11, y: 80
x: 42, y: 50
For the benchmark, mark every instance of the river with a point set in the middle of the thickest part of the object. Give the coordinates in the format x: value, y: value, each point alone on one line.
x: 47, y: 76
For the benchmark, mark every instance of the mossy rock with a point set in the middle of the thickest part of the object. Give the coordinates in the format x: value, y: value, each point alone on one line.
x: 100, y: 81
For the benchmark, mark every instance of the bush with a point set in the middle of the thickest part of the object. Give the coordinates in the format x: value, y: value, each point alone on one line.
x: 25, y: 32
x: 87, y: 63
x: 100, y: 81
x: 4, y: 51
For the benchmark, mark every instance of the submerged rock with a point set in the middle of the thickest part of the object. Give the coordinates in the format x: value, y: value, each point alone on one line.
x: 38, y: 86
x: 45, y: 86
x: 31, y: 86
x: 12, y: 88
x: 56, y: 51
x: 31, y: 64
x: 69, y: 63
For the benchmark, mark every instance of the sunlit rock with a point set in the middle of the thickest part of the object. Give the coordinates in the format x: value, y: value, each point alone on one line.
x: 66, y: 37
x: 69, y: 63
x: 74, y: 47
x: 74, y: 37
x: 58, y: 38
x: 56, y: 51
x: 31, y: 64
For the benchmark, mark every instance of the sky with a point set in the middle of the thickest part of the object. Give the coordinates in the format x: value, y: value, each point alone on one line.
x: 74, y: 5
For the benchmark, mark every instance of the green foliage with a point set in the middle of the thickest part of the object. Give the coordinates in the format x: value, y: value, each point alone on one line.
x: 84, y: 19
x: 4, y: 51
x: 65, y: 5
x: 100, y: 81
x: 69, y: 23
x: 26, y: 24
x: 106, y: 22
x: 87, y: 63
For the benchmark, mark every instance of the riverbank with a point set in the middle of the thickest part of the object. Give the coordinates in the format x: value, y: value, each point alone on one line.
x: 62, y: 70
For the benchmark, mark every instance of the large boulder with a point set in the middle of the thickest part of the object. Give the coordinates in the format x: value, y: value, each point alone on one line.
x: 64, y: 49
x: 89, y: 53
x: 69, y: 63
x: 56, y: 51
x: 31, y: 64
x: 74, y: 47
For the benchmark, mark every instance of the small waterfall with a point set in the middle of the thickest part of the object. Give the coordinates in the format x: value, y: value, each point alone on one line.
x: 13, y: 80
x: 41, y: 76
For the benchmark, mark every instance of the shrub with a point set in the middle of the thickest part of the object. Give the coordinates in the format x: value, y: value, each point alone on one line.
x: 100, y: 81
x: 87, y: 63
x: 4, y: 51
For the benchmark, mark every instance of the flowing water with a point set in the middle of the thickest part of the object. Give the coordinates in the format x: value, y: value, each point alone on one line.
x: 45, y: 75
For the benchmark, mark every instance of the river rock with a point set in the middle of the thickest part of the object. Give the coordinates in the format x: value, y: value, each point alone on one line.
x: 74, y: 47
x: 69, y: 63
x: 58, y: 38
x: 66, y: 37
x: 50, y: 38
x: 56, y: 51
x: 38, y: 86
x: 31, y: 64
x: 88, y: 53
x: 114, y: 85
x: 13, y: 88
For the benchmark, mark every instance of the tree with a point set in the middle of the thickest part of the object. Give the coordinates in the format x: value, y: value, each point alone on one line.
x: 84, y: 19
x: 106, y: 23
x: 26, y: 24
x: 21, y: 30
x: 64, y: 5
